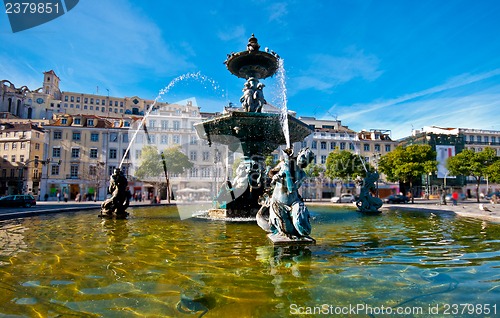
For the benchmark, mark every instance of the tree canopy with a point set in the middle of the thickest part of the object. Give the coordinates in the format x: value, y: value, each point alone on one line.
x: 474, y: 164
x: 343, y: 164
x: 407, y: 164
x: 151, y: 165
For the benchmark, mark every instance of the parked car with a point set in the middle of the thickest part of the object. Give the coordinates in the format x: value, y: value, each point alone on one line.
x: 18, y: 200
x: 344, y: 198
x: 397, y: 198
x: 488, y: 197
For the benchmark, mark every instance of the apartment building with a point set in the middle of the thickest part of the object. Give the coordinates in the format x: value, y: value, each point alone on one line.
x: 22, y: 157
x: 84, y: 150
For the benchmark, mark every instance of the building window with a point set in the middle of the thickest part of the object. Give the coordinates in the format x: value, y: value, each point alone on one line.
x: 193, y: 140
x: 479, y: 139
x: 342, y: 146
x: 94, y: 137
x: 37, y: 146
x: 323, y: 159
x: 54, y: 170
x: 112, y: 153
x: 78, y: 121
x: 176, y: 139
x: 75, y: 152
x: 125, y: 138
x: 57, y: 135
x: 486, y: 139
x: 152, y: 123
x: 92, y: 170
x: 13, y: 158
x: 90, y: 122
x: 56, y: 152
x: 493, y: 139
x: 314, y: 144
x: 177, y: 125
x: 164, y: 139
x: 21, y: 158
x: 113, y: 137
x: 65, y: 98
x: 192, y: 155
x: 323, y: 145
x: 93, y: 153
x: 164, y: 124
x: 14, y: 145
x: 366, y: 147
x: 111, y: 170
x: 77, y: 136
x: 377, y: 147
x: 151, y: 139
x: 193, y: 173
x: 125, y: 154
x: 387, y: 148
x: 6, y: 146
x: 74, y: 171
x: 206, y: 155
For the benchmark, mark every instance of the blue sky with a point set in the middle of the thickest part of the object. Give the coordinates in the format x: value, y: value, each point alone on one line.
x: 395, y: 65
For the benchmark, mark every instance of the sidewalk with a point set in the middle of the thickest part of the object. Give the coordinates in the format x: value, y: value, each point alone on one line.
x: 467, y: 208
x: 48, y: 207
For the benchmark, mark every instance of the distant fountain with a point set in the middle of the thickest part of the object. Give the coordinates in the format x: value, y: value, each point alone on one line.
x: 270, y: 195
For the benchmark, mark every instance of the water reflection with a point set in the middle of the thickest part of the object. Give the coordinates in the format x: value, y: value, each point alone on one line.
x: 153, y: 264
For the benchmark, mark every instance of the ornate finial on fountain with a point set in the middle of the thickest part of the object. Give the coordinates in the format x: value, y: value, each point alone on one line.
x: 252, y: 44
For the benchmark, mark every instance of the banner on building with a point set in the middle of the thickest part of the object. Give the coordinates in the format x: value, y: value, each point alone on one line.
x: 443, y: 153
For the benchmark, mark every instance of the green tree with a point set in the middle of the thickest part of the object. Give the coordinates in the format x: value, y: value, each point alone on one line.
x: 151, y: 166
x: 474, y: 164
x: 407, y: 164
x: 493, y: 171
x: 344, y: 165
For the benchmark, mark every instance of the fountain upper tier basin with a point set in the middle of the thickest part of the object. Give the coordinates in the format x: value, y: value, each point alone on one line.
x: 252, y: 64
x: 257, y: 133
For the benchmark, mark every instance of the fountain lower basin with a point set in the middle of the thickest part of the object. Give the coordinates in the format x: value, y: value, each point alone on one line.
x: 76, y: 264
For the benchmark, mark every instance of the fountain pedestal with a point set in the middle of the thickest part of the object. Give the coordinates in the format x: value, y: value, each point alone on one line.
x: 256, y: 135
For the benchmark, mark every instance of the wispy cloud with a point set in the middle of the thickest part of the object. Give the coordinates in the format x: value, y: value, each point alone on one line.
x: 456, y: 103
x: 278, y: 11
x: 233, y: 33
x: 104, y: 46
x: 328, y: 71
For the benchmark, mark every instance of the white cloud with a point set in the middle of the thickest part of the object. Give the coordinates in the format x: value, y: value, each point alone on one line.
x: 277, y: 11
x: 454, y: 104
x: 236, y: 32
x: 328, y: 71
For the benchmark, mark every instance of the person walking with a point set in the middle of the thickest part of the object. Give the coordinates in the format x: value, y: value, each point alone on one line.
x: 454, y: 197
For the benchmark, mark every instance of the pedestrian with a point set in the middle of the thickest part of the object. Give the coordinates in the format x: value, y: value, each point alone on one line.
x: 65, y: 197
x: 58, y: 195
x: 454, y: 197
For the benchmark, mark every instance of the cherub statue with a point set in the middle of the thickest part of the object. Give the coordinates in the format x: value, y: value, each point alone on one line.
x: 258, y: 97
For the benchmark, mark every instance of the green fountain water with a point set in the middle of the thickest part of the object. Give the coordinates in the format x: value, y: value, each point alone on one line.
x: 155, y: 265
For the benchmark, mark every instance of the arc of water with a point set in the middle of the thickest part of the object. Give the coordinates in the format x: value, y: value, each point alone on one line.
x: 162, y: 92
x: 356, y: 150
x: 281, y: 76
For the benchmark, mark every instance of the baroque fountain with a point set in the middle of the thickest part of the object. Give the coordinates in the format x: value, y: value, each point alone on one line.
x: 270, y: 195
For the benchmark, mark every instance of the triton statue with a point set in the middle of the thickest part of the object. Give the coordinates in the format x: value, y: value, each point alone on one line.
x: 120, y: 195
x: 284, y: 214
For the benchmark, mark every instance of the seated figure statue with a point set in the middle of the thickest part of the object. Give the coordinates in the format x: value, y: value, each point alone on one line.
x: 120, y: 195
x: 366, y: 202
x: 284, y: 213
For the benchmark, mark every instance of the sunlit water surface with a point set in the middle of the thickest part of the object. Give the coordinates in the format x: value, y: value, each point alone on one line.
x: 155, y: 265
